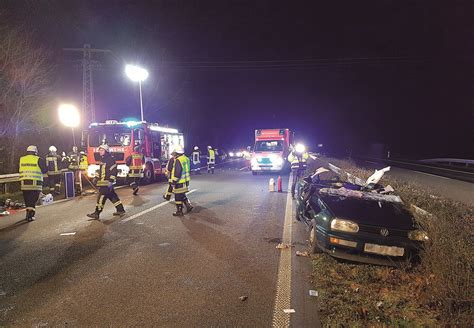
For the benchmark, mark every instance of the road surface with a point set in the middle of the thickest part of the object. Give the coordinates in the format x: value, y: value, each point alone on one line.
x: 461, y: 191
x: 152, y: 269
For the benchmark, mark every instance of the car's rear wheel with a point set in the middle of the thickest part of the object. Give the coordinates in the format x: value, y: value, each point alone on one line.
x: 313, y: 242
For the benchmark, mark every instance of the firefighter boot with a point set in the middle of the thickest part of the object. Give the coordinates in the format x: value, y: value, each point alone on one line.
x: 94, y: 215
x: 179, y: 211
x: 135, y: 190
x: 189, y: 206
x: 120, y: 211
x: 167, y: 197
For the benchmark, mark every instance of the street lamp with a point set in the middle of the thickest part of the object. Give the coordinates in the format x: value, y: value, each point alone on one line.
x: 69, y: 116
x: 137, y: 74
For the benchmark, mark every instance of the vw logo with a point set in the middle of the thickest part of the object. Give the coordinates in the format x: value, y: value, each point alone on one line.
x: 384, y: 232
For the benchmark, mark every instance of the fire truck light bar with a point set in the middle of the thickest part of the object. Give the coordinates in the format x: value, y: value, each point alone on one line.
x: 163, y: 129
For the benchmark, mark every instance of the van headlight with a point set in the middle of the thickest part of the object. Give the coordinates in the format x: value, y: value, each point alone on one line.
x: 278, y: 161
x: 344, y: 225
x: 254, y: 161
x: 418, y: 235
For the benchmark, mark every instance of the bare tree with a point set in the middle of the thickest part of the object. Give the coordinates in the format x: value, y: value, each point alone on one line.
x: 25, y: 88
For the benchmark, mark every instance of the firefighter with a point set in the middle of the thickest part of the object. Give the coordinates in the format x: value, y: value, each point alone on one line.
x: 196, y: 160
x: 180, y: 177
x: 168, y: 169
x: 211, y: 159
x: 135, y: 164
x: 105, y: 181
x: 31, y: 170
x: 297, y: 158
x: 73, y: 160
x: 53, y: 163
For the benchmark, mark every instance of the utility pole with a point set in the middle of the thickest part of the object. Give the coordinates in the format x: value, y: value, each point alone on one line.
x: 88, y: 109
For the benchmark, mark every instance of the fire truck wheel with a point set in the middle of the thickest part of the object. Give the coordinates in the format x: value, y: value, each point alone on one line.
x: 148, y: 175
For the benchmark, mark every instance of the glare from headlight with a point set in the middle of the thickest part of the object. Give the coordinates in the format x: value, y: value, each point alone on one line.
x: 418, y: 235
x: 239, y: 154
x: 278, y: 161
x: 91, y: 170
x: 231, y: 154
x: 344, y: 225
x: 254, y: 161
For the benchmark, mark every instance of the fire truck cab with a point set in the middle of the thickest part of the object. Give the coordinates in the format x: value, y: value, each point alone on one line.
x: 155, y: 141
x: 271, y: 150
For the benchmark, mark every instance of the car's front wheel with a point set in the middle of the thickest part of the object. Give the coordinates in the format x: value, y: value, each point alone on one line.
x: 313, y: 242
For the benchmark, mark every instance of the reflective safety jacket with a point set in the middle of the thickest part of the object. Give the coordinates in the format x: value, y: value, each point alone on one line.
x: 31, y: 171
x: 180, y: 174
x: 196, y: 156
x: 298, y: 161
x: 211, y: 159
x: 107, y: 171
x: 84, y: 163
x: 135, y: 164
x: 53, y: 163
x: 73, y: 160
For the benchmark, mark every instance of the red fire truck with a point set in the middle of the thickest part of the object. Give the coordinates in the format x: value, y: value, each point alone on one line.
x: 156, y: 141
x: 271, y: 150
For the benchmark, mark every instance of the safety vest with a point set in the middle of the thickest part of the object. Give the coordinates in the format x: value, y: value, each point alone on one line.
x: 52, y: 164
x: 298, y: 162
x: 196, y: 157
x: 212, y: 156
x: 83, y: 164
x: 31, y: 177
x: 185, y: 169
x: 136, y: 167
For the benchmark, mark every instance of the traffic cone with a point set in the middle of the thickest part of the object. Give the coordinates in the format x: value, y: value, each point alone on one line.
x: 271, y: 185
x: 279, y: 184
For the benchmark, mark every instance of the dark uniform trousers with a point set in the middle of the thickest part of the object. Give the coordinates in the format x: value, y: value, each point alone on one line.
x: 297, y: 174
x: 108, y: 193
x: 180, y: 197
x: 31, y: 198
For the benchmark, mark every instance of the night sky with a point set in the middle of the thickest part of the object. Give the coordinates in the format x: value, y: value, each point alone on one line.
x: 347, y: 74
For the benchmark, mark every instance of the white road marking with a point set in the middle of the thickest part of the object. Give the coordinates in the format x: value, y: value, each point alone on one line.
x: 68, y: 234
x: 150, y: 209
x: 281, y: 318
x: 243, y: 168
x: 313, y: 157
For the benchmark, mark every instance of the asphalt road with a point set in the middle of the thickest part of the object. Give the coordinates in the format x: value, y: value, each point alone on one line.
x: 457, y: 190
x: 152, y: 269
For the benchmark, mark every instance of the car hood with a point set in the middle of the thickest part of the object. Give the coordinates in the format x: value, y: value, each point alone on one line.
x: 370, y: 212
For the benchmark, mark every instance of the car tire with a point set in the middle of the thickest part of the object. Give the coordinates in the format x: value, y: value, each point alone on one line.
x: 148, y: 175
x: 254, y: 173
x: 312, y: 238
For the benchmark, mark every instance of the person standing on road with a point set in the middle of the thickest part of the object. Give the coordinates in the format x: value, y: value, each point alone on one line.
x: 211, y: 159
x: 135, y: 164
x: 74, y: 159
x: 180, y: 177
x: 31, y: 169
x: 298, y: 158
x: 53, y: 163
x: 196, y: 160
x: 105, y: 181
x: 168, y: 169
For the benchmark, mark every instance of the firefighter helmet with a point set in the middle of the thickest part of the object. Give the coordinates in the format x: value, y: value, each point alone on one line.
x: 196, y: 148
x: 209, y: 147
x: 32, y: 149
x: 53, y: 149
x: 104, y: 147
x: 178, y: 149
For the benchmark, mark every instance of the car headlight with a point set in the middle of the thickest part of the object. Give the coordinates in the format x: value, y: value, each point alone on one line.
x: 231, y: 154
x: 418, y: 235
x: 344, y: 225
x: 239, y: 154
x: 254, y: 161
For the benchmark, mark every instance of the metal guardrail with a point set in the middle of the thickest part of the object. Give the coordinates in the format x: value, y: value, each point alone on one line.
x: 449, y: 161
x: 6, y: 179
x: 464, y: 175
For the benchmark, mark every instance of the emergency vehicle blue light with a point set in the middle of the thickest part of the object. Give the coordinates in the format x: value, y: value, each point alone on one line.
x: 132, y: 123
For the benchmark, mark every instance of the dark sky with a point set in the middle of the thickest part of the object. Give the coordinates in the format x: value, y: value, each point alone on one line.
x: 220, y: 69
